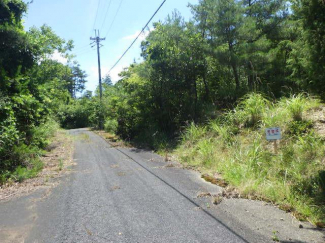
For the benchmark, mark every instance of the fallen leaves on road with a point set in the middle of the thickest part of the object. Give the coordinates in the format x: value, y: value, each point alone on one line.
x: 215, y: 180
x: 114, y: 188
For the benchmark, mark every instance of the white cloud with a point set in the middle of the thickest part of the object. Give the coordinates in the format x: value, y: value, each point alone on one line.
x: 93, y: 74
x: 92, y: 78
x: 58, y: 57
x: 114, y: 73
x: 142, y: 37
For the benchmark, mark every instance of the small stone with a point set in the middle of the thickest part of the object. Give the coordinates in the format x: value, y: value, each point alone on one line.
x: 300, y: 226
x: 281, y: 219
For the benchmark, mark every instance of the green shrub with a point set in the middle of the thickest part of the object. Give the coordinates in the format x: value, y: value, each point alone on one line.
x: 75, y: 115
x: 298, y: 128
x: 296, y: 105
x: 225, y: 132
x: 43, y: 133
x: 252, y: 109
x: 293, y: 176
x: 111, y: 125
x: 22, y: 173
x: 193, y: 133
x: 9, y: 134
x: 20, y: 160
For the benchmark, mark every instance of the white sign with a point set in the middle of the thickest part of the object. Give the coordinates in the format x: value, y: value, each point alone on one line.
x: 273, y: 133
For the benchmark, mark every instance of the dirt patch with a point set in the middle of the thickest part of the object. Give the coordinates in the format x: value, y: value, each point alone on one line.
x: 317, y: 115
x: 216, y: 180
x: 204, y: 194
x: 114, y: 188
x: 57, y: 162
x: 18, y: 234
x: 114, y: 166
x: 113, y: 140
x: 121, y: 173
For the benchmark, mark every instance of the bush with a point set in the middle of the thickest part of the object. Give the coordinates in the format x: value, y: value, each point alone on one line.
x: 224, y: 132
x: 22, y: 173
x: 9, y: 135
x: 298, y: 128
x: 294, y: 176
x: 296, y: 105
x: 43, y: 133
x: 111, y: 125
x: 252, y: 109
x: 74, y: 115
x: 20, y: 158
x: 193, y: 133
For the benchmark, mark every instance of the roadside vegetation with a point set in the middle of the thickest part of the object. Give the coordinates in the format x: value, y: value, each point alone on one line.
x: 234, y: 147
x: 33, y: 88
x: 207, y: 87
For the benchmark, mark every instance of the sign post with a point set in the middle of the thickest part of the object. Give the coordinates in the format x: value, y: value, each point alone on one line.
x: 273, y: 134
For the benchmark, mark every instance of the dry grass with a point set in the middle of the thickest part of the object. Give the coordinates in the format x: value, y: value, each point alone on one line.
x: 113, y: 139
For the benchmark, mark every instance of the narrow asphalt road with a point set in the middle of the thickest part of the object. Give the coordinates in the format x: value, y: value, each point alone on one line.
x: 120, y: 195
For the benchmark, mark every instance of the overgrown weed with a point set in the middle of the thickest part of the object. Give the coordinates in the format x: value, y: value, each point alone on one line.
x: 235, y: 146
x: 23, y: 162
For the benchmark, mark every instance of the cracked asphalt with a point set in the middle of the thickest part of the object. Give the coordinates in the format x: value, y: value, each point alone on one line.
x: 120, y: 195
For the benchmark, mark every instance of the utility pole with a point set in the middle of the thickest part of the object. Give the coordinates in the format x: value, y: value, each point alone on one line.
x: 97, y: 39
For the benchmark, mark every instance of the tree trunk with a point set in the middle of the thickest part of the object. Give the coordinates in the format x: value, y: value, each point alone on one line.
x: 234, y: 69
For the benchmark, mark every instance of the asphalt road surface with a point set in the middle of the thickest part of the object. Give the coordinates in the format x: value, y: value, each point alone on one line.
x: 122, y: 195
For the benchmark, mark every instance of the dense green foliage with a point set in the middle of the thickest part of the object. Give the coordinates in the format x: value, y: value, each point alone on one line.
x: 191, y: 69
x: 231, y: 54
x: 32, y: 88
x: 235, y: 147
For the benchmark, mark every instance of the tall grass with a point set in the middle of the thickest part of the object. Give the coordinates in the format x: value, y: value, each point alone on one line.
x: 235, y: 146
x: 296, y: 105
x: 193, y: 133
x: 252, y: 108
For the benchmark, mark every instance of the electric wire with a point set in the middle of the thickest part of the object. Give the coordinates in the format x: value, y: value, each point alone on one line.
x: 80, y: 48
x: 83, y: 53
x: 83, y: 50
x: 109, y: 5
x: 96, y: 14
x: 118, y: 9
x: 137, y: 36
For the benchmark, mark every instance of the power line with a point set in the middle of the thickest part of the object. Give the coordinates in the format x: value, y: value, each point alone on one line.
x: 96, y: 14
x: 83, y: 52
x: 80, y: 48
x: 109, y: 5
x: 138, y: 36
x: 118, y: 9
x: 83, y: 48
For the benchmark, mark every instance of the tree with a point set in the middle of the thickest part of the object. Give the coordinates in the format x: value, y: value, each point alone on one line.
x: 77, y: 81
x: 15, y: 50
x: 310, y: 60
x: 32, y: 86
x: 222, y: 19
x: 107, y: 80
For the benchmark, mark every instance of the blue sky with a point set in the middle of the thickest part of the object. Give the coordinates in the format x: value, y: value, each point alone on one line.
x: 76, y: 20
